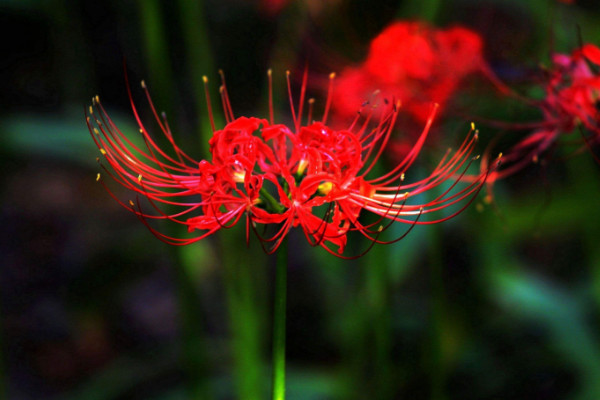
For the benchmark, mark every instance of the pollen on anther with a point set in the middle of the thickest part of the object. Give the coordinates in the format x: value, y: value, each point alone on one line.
x: 402, y: 177
x: 91, y: 110
x: 98, y: 177
x: 332, y: 75
x: 140, y: 178
x: 103, y: 152
x: 131, y: 203
x: 472, y: 126
x: 96, y: 131
x: 143, y: 83
x: 204, y: 79
x: 97, y: 98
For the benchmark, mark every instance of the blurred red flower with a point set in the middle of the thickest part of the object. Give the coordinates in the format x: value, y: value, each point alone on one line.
x: 308, y: 176
x: 572, y: 95
x: 414, y: 63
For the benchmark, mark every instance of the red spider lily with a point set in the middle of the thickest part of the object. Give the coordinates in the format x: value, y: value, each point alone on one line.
x: 311, y: 176
x: 415, y: 63
x: 572, y: 95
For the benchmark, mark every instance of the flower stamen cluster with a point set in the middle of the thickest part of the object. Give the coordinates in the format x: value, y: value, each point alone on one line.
x: 309, y: 176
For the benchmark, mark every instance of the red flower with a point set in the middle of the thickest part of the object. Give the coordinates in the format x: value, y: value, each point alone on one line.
x: 572, y: 93
x: 312, y: 177
x: 414, y: 63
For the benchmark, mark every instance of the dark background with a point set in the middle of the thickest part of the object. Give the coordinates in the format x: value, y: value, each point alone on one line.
x: 498, y: 303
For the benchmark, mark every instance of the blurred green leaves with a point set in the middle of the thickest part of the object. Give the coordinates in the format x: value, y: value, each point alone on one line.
x: 58, y: 137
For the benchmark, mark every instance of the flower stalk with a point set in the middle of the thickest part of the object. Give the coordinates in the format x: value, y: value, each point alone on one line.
x: 279, y: 323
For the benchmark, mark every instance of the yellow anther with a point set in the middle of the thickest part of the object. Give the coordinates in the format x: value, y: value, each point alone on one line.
x: 499, y: 156
x: 325, y: 188
x: 269, y: 72
x: 287, y: 72
x: 204, y: 79
x: 476, y: 157
x: 97, y: 98
x: 98, y: 177
x: 380, y: 229
x: 239, y: 176
x: 140, y: 178
x: 143, y: 83
x: 96, y: 131
x: 402, y: 176
x: 302, y: 166
x: 91, y: 110
x: 311, y: 100
x: 141, y: 130
x: 103, y: 152
x: 131, y: 203
x: 472, y: 126
x: 332, y: 75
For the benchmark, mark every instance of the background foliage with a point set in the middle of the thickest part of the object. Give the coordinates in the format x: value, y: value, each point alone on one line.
x: 498, y: 303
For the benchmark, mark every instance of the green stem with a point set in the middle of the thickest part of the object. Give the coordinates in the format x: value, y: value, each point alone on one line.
x: 156, y: 54
x: 200, y: 63
x: 272, y: 204
x: 279, y: 323
x: 244, y: 318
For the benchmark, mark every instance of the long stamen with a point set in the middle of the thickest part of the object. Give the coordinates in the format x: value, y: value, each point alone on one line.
x: 208, y: 103
x: 270, y: 80
x: 329, y: 97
